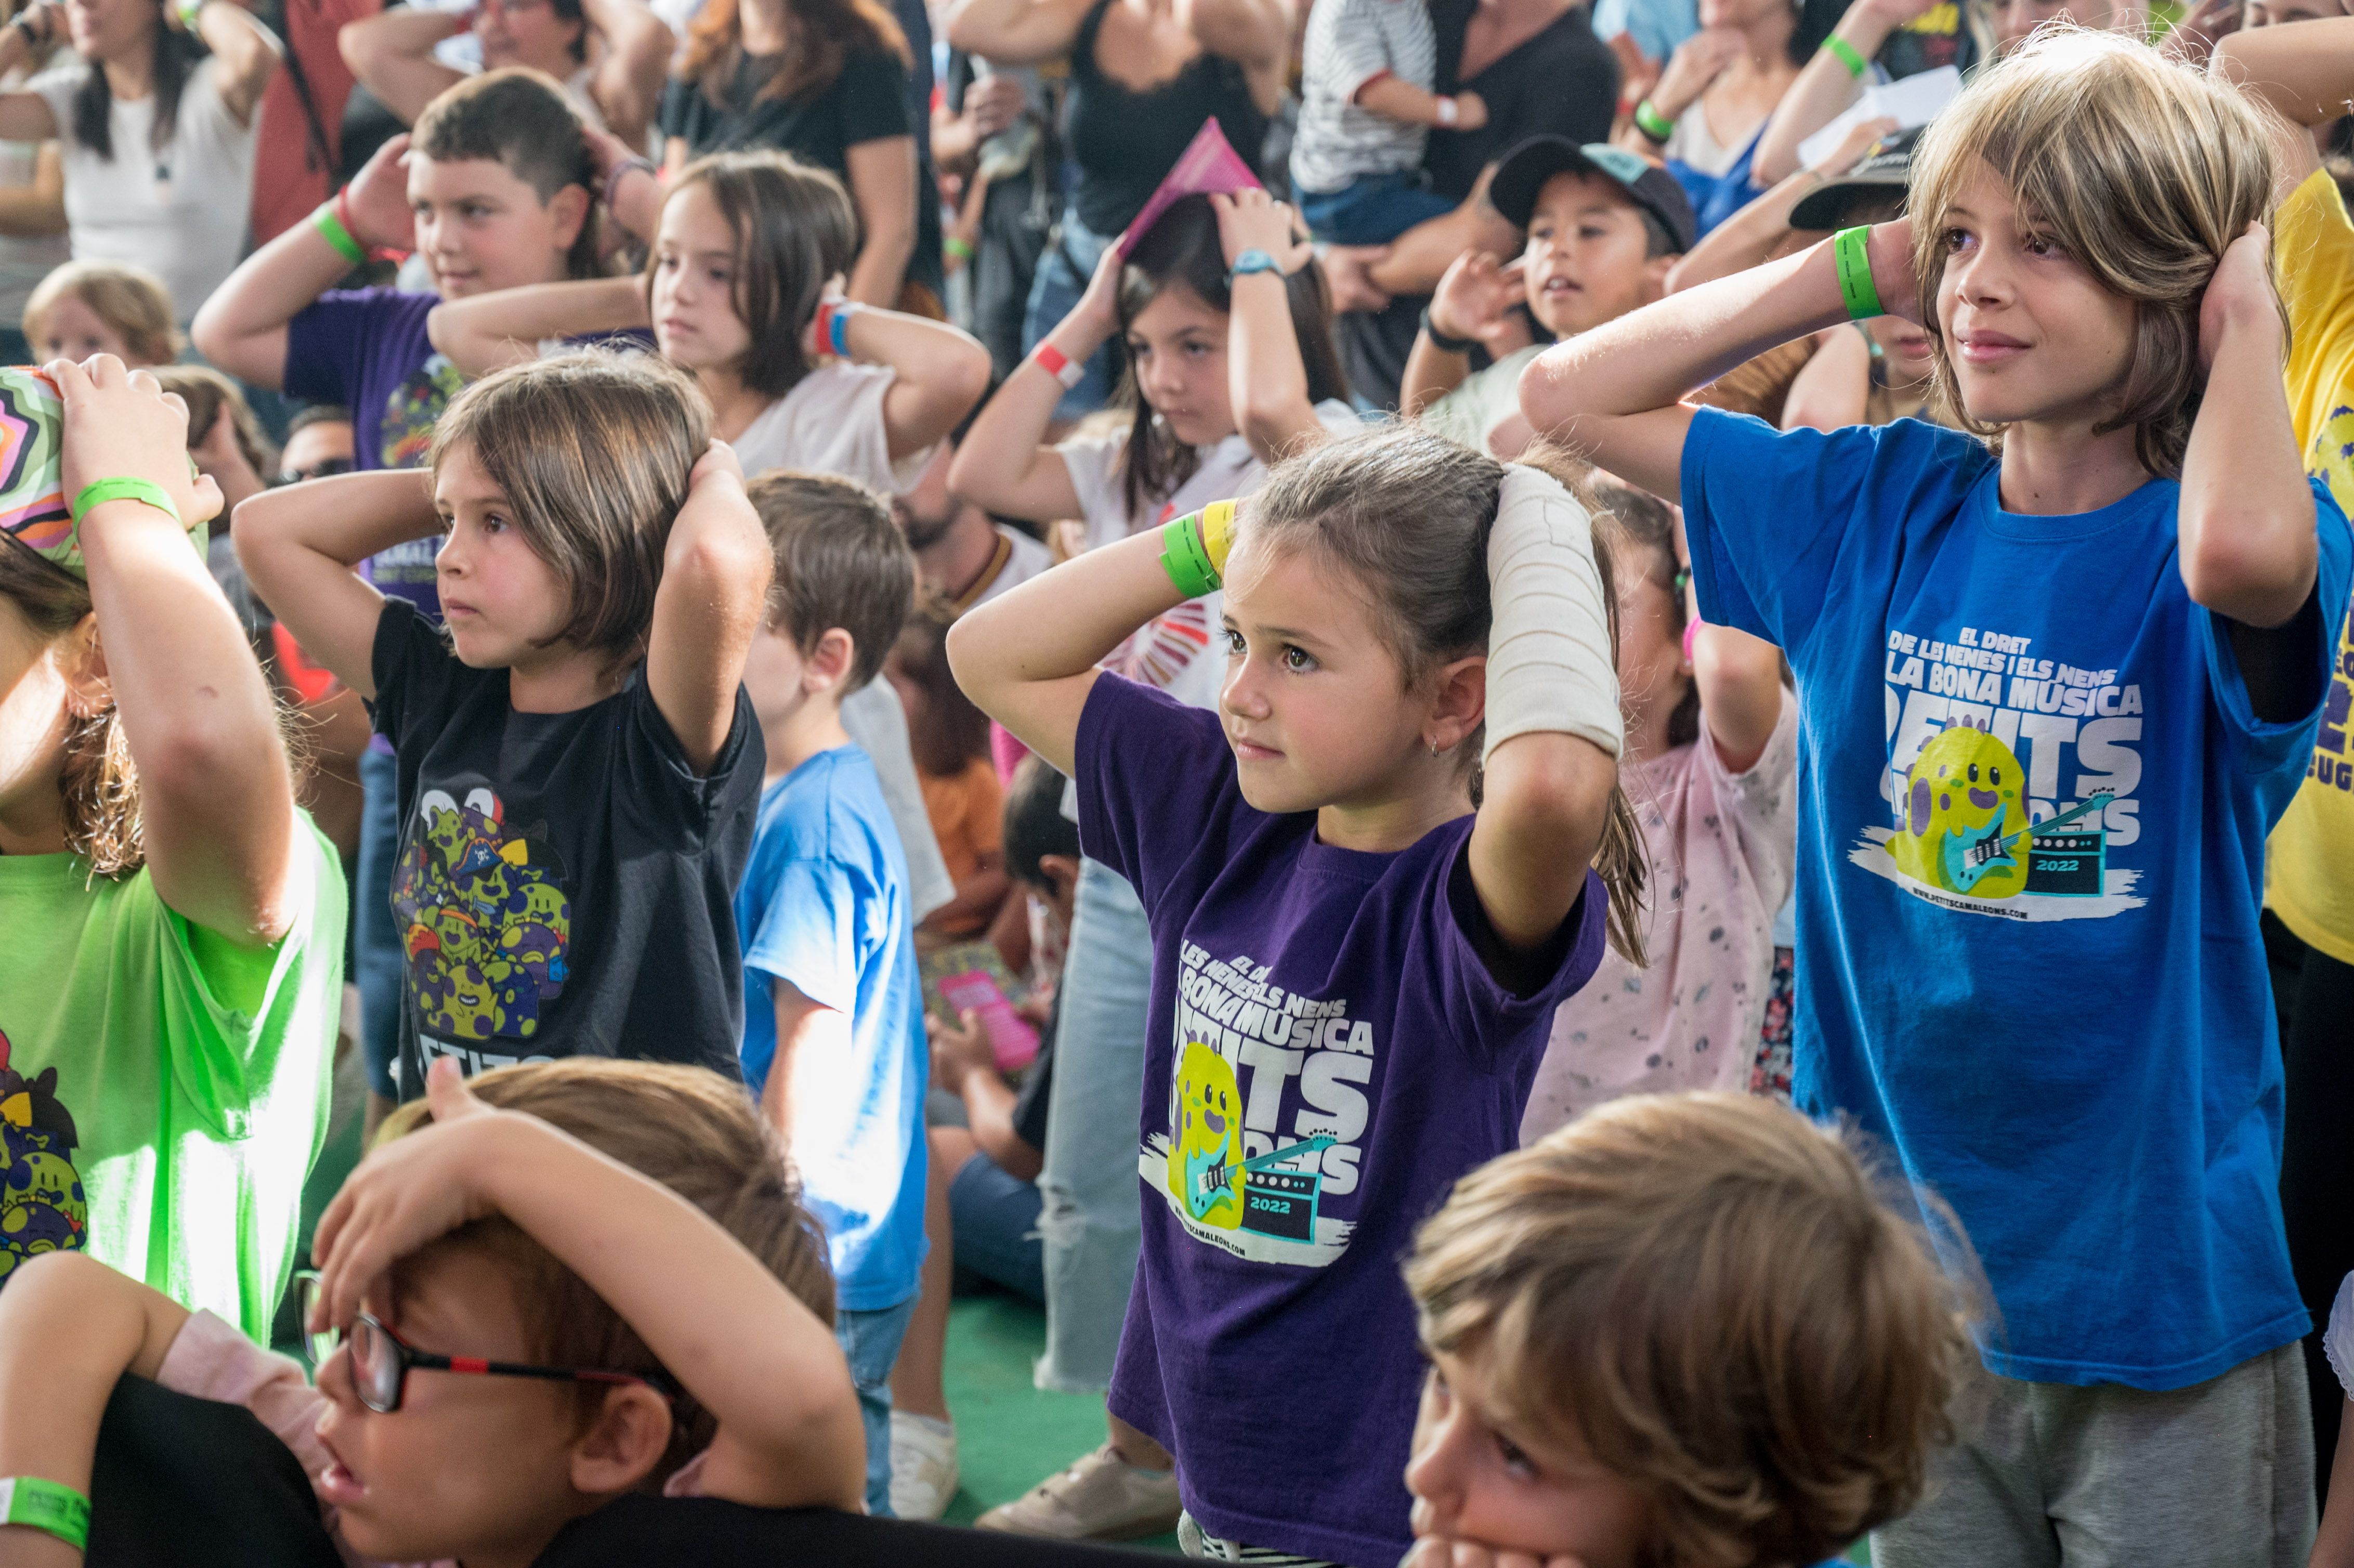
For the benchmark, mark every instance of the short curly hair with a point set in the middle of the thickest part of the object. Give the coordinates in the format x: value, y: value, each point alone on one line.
x: 2143, y: 169
x: 1707, y: 1294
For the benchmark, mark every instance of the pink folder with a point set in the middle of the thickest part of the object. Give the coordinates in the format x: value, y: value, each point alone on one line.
x: 1209, y: 164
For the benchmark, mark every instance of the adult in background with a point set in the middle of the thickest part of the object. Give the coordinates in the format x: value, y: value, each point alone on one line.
x: 825, y: 81
x: 611, y: 55
x: 1539, y: 69
x: 1144, y: 74
x: 156, y: 126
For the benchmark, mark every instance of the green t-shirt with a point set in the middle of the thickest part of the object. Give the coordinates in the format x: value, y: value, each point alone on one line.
x: 163, y: 1093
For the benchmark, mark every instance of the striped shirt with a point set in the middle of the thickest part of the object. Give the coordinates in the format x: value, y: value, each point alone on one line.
x: 1351, y: 43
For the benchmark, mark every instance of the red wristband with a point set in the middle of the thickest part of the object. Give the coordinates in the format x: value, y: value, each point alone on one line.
x: 1054, y: 363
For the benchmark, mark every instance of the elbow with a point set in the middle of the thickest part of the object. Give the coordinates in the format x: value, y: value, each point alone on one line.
x: 358, y: 48
x: 2231, y: 570
x: 1726, y: 659
x: 210, y: 333
x: 1549, y: 392
x: 964, y: 381
x: 1555, y: 789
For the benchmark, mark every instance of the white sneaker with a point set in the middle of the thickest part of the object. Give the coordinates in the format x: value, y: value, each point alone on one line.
x: 923, y: 1465
x: 1101, y: 1498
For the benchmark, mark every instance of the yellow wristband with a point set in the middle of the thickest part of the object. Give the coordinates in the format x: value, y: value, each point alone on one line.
x: 1218, y: 534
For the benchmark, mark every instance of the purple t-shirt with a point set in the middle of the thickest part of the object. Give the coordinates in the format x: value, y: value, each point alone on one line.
x: 1311, y: 998
x: 368, y: 350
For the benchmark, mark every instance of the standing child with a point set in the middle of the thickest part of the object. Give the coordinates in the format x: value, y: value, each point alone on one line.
x: 170, y: 985
x: 735, y: 289
x: 1366, y: 108
x: 834, y: 1026
x: 492, y: 190
x: 1352, y: 966
x: 2032, y: 834
x: 1687, y: 1330
x: 578, y: 764
x: 1712, y: 754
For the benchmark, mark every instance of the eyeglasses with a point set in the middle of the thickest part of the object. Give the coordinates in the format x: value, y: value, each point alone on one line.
x: 326, y: 468
x: 381, y: 1360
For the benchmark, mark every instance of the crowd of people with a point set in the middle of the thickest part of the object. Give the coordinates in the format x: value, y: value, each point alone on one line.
x: 1383, y: 697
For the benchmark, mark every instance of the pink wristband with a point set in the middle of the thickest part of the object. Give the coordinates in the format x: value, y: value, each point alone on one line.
x: 1692, y: 629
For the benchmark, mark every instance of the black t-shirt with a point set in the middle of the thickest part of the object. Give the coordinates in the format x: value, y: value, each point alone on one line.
x: 1030, y: 1105
x: 566, y: 883
x: 1123, y: 144
x: 183, y: 1482
x: 633, y: 1531
x: 867, y: 102
x: 1562, y: 82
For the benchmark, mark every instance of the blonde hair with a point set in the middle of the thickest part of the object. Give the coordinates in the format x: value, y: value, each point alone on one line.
x: 685, y: 1128
x: 129, y: 300
x: 2143, y: 170
x: 1705, y: 1294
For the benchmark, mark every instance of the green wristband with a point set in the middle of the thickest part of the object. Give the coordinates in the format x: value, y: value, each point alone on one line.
x: 1651, y: 122
x: 331, y: 229
x: 1186, y: 559
x: 1851, y: 248
x: 51, y: 1507
x: 1845, y: 53
x: 101, y: 491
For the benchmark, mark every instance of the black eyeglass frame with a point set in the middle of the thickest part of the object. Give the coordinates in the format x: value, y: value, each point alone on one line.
x: 326, y: 468
x: 407, y: 1358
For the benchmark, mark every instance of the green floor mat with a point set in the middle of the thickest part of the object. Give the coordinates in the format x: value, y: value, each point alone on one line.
x: 1011, y: 1434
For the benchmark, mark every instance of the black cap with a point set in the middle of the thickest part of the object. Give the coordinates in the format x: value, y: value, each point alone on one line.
x: 1527, y: 167
x: 1883, y: 172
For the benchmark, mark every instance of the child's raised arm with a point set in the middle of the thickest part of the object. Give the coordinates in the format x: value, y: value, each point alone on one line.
x: 941, y: 372
x: 217, y: 798
x: 1027, y: 658
x: 1266, y: 383
x: 242, y: 329
x: 2304, y: 70
x: 751, y: 1353
x: 1612, y: 393
x: 1004, y: 464
x: 491, y: 331
x: 299, y: 544
x: 715, y: 580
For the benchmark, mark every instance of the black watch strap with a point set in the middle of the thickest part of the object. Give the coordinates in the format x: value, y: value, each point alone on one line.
x: 1440, y: 341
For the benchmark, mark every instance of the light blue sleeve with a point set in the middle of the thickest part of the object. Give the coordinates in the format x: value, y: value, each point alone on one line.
x: 810, y: 935
x: 1657, y: 26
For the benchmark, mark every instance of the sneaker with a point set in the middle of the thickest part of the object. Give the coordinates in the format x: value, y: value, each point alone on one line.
x: 1101, y: 1498
x: 923, y: 1465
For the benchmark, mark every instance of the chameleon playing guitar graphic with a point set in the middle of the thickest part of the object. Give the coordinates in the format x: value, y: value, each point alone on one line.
x: 1968, y: 857
x: 1222, y: 1177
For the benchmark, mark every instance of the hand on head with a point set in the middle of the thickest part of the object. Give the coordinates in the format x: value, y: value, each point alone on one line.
x: 1253, y: 220
x: 376, y: 201
x: 2240, y: 293
x: 121, y: 424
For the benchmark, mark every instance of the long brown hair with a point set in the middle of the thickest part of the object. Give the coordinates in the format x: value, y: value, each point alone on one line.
x: 1429, y: 584
x: 824, y: 34
x: 100, y: 782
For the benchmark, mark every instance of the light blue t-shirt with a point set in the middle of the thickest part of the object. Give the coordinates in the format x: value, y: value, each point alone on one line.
x: 1658, y: 26
x: 2068, y: 1033
x: 823, y: 905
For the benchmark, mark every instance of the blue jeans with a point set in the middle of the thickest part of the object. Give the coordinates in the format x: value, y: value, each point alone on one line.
x: 376, y: 946
x: 994, y: 1218
x: 1062, y: 276
x: 1372, y: 209
x: 870, y: 1342
x: 1090, y: 1220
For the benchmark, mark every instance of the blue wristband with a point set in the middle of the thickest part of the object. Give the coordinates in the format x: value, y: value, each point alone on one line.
x: 837, y: 329
x: 1254, y: 261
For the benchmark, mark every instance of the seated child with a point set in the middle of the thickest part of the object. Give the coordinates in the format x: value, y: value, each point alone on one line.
x: 102, y: 307
x: 1365, y: 106
x: 833, y: 1035
x: 1686, y: 1329
x: 1603, y: 226
x: 578, y: 762
x: 693, y: 1359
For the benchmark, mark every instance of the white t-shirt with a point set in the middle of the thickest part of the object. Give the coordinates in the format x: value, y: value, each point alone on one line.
x: 180, y: 213
x: 1694, y: 144
x: 1169, y: 651
x: 23, y: 262
x: 832, y: 422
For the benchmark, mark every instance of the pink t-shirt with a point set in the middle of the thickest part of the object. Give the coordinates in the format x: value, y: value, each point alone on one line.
x: 1723, y: 845
x: 211, y: 1360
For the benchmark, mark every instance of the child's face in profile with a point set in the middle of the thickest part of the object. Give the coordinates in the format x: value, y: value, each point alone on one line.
x: 71, y: 329
x: 1588, y: 259
x: 1473, y: 1482
x: 480, y: 228
x: 504, y: 604
x: 693, y: 299
x: 1178, y: 344
x: 480, y: 1466
x: 1315, y: 705
x: 2032, y: 333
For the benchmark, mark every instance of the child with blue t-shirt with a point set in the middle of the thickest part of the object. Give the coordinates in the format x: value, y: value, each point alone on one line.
x: 834, y: 1026
x: 2058, y: 677
x: 1353, y: 967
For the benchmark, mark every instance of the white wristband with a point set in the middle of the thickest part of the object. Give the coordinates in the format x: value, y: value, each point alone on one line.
x: 1447, y: 110
x: 1549, y: 662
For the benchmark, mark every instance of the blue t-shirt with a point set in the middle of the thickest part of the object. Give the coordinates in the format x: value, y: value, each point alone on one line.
x: 1327, y: 1053
x: 2066, y: 1033
x: 823, y: 905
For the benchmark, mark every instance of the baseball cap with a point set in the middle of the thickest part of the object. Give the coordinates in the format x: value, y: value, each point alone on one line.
x: 1527, y: 167
x: 1883, y: 171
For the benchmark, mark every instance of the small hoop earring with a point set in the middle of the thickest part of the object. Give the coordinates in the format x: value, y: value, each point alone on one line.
x: 1434, y: 747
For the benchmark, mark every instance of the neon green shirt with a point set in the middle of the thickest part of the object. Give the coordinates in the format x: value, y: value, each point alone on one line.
x: 163, y: 1093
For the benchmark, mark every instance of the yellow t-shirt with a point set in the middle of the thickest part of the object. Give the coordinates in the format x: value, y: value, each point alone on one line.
x: 2309, y: 869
